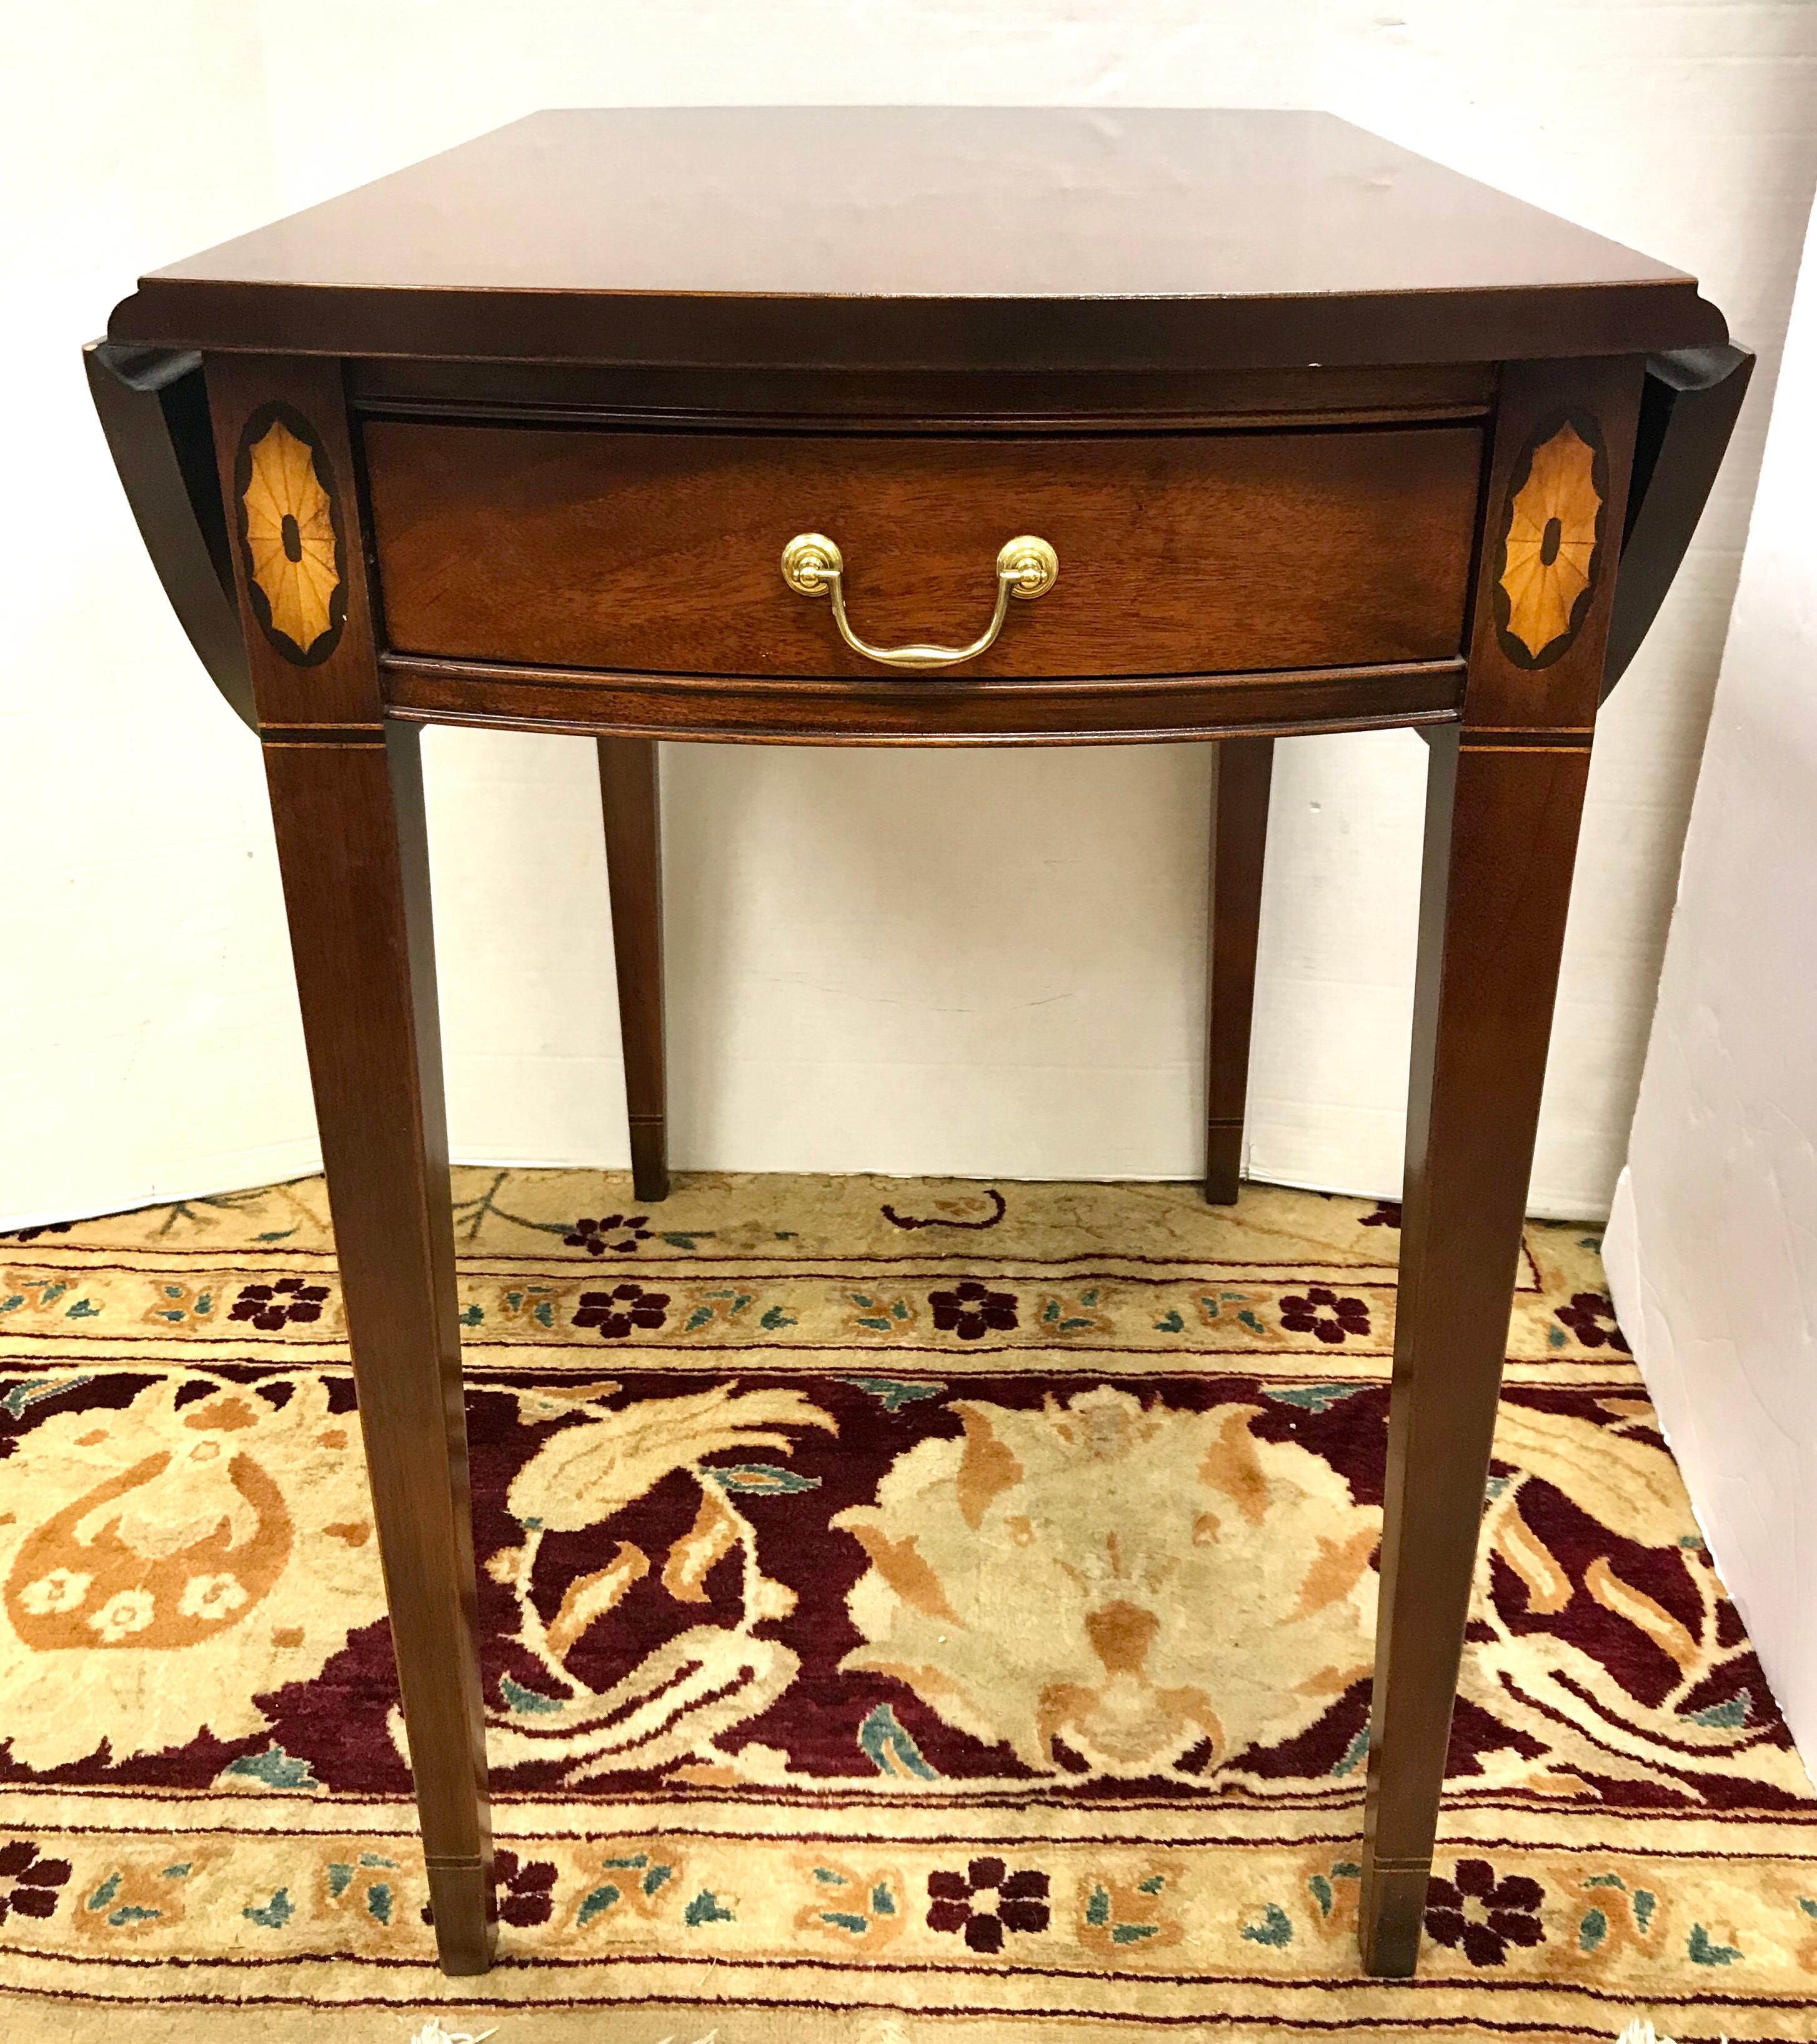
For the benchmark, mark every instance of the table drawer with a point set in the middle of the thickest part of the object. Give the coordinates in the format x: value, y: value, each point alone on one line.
x: 636, y: 551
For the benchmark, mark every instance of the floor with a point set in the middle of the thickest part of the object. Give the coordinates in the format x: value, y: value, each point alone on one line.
x: 909, y: 1604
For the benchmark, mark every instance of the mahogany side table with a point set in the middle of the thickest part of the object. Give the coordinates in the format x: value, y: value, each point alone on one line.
x: 690, y: 424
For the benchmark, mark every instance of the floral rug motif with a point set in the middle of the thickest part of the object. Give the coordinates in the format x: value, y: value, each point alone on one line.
x: 903, y: 1601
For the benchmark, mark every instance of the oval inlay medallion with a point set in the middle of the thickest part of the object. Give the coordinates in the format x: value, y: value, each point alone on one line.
x: 289, y: 533
x: 1552, y: 541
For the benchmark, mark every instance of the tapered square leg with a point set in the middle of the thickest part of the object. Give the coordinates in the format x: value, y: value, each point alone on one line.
x: 1501, y: 833
x: 349, y: 820
x: 628, y: 794
x: 1240, y: 779
x: 347, y: 806
x: 1505, y: 796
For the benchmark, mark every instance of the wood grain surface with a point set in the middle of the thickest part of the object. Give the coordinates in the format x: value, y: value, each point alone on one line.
x: 916, y: 236
x: 658, y: 552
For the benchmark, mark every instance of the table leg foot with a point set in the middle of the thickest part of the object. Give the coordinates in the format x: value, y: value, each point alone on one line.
x: 467, y: 1934
x: 1223, y: 1164
x: 649, y: 1160
x: 1390, y: 1916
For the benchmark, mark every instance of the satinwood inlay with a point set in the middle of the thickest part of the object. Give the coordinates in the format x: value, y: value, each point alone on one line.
x: 289, y: 533
x: 1552, y: 538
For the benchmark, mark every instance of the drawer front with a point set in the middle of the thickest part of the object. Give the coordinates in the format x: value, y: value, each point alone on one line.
x: 648, y: 552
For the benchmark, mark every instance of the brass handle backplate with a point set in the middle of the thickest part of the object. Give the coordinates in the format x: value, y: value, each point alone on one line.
x: 812, y: 566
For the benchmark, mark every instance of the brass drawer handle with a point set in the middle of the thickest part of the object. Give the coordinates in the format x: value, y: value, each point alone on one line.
x: 812, y: 566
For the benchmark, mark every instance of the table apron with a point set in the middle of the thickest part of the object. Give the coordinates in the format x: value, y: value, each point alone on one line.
x: 758, y: 710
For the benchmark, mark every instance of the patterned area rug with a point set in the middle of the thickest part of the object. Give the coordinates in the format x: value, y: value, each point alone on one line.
x: 906, y: 1604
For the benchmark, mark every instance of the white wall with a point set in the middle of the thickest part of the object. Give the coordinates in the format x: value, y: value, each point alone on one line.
x: 1712, y: 1248
x: 945, y: 961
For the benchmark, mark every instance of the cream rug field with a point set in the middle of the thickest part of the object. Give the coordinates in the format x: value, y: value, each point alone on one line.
x: 908, y: 1605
